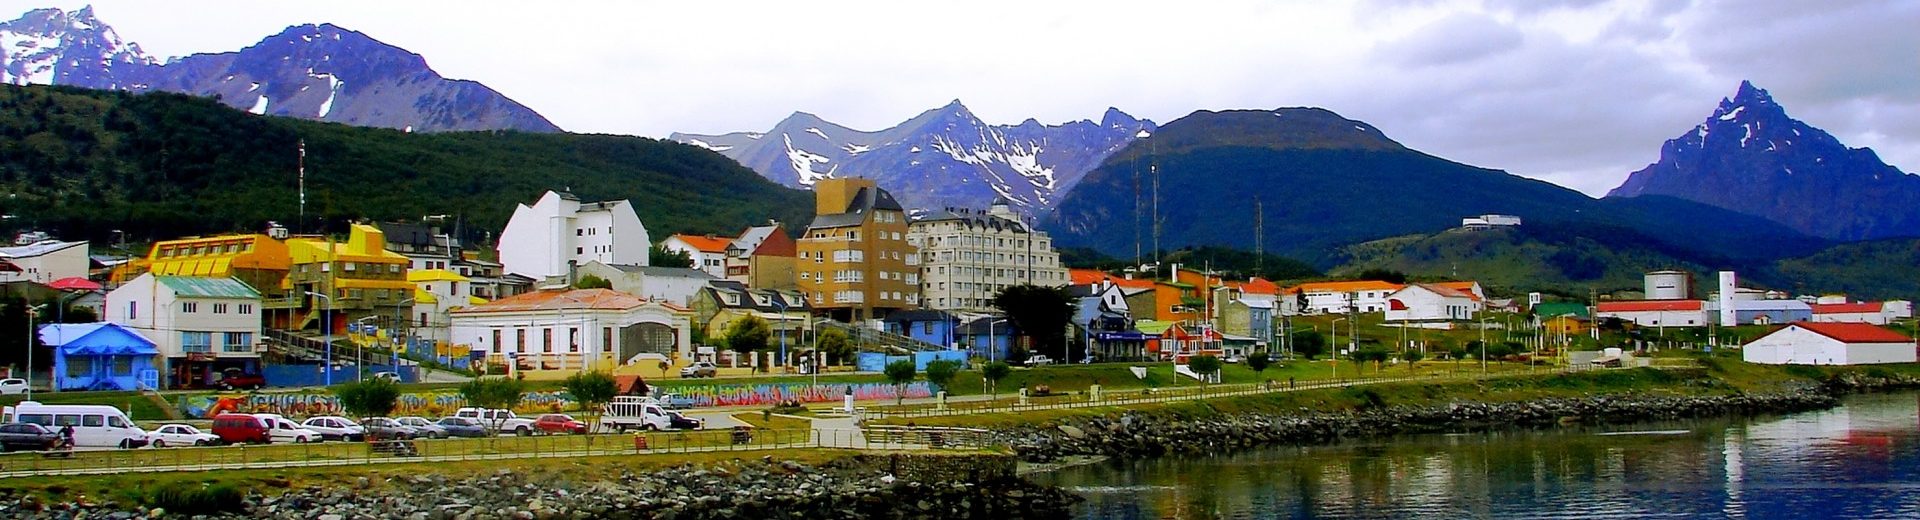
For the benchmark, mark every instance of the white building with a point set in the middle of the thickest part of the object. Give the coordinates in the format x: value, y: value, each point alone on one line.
x: 543, y: 240
x: 562, y: 329
x: 1655, y: 313
x: 43, y: 262
x: 967, y: 257
x: 437, y: 293
x: 1337, y: 297
x: 200, y: 326
x: 676, y: 285
x: 709, y: 252
x: 1429, y: 302
x: 1489, y: 221
x: 1830, y: 344
x: 1877, y: 313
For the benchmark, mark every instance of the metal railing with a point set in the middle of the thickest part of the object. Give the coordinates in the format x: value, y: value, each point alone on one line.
x: 274, y: 456
x: 866, y: 336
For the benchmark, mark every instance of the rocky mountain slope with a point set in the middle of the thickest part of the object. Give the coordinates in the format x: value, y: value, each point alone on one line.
x: 1750, y: 157
x: 945, y: 157
x: 321, y: 72
x: 1320, y: 181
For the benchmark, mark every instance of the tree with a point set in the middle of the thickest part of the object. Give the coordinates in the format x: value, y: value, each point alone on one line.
x: 1309, y: 343
x: 659, y: 256
x: 374, y: 397
x: 1259, y: 362
x: 941, y: 373
x: 994, y: 371
x: 493, y: 393
x: 592, y: 389
x: 1205, y: 365
x: 1374, y: 354
x: 748, y: 334
x: 592, y: 282
x: 1413, y: 357
x: 1041, y: 314
x: 836, y: 344
x: 900, y: 373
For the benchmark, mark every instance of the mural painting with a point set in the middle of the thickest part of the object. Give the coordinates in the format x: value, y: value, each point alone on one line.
x: 439, y: 404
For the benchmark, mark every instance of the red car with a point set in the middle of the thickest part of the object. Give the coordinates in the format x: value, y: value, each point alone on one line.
x: 559, y: 423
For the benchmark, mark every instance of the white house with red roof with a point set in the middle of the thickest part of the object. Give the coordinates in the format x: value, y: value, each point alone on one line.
x: 709, y: 252
x: 1812, y: 343
x: 1655, y: 313
x: 559, y: 330
x: 1427, y: 302
x: 1877, y: 313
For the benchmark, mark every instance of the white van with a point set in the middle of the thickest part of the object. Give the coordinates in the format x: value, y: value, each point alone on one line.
x: 630, y: 413
x: 94, y: 426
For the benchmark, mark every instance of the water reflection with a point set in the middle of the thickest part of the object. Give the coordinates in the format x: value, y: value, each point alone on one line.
x: 1856, y: 461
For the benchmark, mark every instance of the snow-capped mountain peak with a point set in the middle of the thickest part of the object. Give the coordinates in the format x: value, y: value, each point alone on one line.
x: 944, y: 157
x: 50, y: 46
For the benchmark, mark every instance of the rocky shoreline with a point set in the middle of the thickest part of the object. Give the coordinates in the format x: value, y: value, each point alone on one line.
x: 860, y: 487
x: 1139, y: 434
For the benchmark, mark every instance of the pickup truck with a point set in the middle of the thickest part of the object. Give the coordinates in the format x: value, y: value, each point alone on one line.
x: 502, y: 421
x: 634, y: 414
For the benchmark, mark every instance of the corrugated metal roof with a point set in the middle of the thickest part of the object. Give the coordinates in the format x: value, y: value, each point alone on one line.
x: 207, y: 287
x: 1854, y: 332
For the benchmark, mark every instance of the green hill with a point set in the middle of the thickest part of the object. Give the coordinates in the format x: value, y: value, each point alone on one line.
x: 82, y: 163
x: 1880, y: 269
x: 1548, y: 258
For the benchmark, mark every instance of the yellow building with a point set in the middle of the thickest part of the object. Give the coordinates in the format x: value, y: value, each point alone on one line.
x: 256, y: 259
x: 1566, y: 325
x: 855, y: 262
x: 358, y: 278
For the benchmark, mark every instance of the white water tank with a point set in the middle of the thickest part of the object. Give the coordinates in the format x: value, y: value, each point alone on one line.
x: 1668, y: 285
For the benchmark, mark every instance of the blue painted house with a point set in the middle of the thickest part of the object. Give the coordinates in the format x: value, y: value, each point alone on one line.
x: 931, y: 326
x: 987, y: 337
x: 100, y: 356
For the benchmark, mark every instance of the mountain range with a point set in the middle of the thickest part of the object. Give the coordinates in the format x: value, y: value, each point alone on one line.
x: 945, y: 157
x: 321, y: 72
x: 1305, y: 181
x: 1750, y: 157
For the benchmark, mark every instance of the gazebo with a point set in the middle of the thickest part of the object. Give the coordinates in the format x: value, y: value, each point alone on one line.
x: 99, y: 356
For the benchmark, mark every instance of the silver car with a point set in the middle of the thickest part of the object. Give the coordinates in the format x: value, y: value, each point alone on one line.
x: 422, y: 427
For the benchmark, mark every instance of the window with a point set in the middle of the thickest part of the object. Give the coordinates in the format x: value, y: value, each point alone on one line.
x: 116, y: 422
x: 346, y: 266
x: 189, y: 307
x: 219, y: 308
x: 196, y: 341
x: 546, y: 340
x: 133, y: 310
x: 496, y: 341
x: 123, y: 365
x: 573, y: 339
x: 606, y: 339
x: 238, y: 342
x: 395, y: 268
x: 246, y: 308
x: 92, y: 420
x: 926, y: 327
x: 520, y: 340
x: 579, y: 250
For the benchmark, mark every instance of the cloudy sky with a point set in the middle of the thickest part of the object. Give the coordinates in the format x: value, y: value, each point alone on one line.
x: 1577, y: 92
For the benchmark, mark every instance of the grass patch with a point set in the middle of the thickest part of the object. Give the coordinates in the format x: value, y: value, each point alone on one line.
x: 768, y: 421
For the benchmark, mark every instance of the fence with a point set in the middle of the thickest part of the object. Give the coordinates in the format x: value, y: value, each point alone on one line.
x: 111, y: 461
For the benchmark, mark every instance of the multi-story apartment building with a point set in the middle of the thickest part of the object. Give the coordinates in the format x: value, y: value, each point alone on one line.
x: 967, y: 257
x: 546, y: 240
x: 855, y: 262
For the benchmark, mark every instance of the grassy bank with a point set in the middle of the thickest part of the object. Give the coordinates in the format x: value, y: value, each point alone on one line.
x: 1718, y: 376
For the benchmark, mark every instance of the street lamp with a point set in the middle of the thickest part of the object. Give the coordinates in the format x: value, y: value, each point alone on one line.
x: 1336, y: 347
x: 32, y: 312
x: 326, y: 325
x: 781, y: 306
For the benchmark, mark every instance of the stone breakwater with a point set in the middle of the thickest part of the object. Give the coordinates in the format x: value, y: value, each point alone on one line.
x: 863, y: 487
x: 1137, y: 434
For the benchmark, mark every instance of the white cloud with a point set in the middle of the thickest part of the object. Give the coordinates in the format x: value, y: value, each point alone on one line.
x: 1578, y: 92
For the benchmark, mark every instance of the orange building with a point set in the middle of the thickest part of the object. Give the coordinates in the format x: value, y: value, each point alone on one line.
x: 855, y: 262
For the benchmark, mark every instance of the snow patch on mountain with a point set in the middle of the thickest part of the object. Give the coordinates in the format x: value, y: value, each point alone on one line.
x: 259, y: 106
x: 802, y: 162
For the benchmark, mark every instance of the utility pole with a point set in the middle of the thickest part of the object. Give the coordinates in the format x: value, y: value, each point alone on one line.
x: 1259, y: 236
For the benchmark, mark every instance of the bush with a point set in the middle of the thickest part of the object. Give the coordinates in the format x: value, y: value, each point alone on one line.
x: 188, y: 498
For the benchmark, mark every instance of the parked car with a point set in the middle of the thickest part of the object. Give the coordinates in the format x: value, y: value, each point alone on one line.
x: 27, y: 437
x: 241, y: 381
x: 181, y: 435
x: 462, y: 427
x: 423, y: 427
x: 13, y: 386
x: 699, y: 369
x: 382, y: 428
x: 282, y: 429
x: 1037, y: 360
x: 675, y: 401
x: 1232, y: 359
x: 336, y: 428
x: 240, y: 428
x: 498, y: 420
x: 559, y: 423
x: 680, y: 421
x: 390, y: 376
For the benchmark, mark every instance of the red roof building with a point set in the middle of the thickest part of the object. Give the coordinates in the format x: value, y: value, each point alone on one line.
x: 1808, y: 343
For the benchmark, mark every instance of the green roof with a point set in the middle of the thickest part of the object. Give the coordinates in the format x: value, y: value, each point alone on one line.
x: 1152, y: 327
x: 207, y: 287
x: 1549, y: 310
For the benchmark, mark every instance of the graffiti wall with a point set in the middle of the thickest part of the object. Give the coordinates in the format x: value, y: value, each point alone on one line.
x: 438, y: 404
